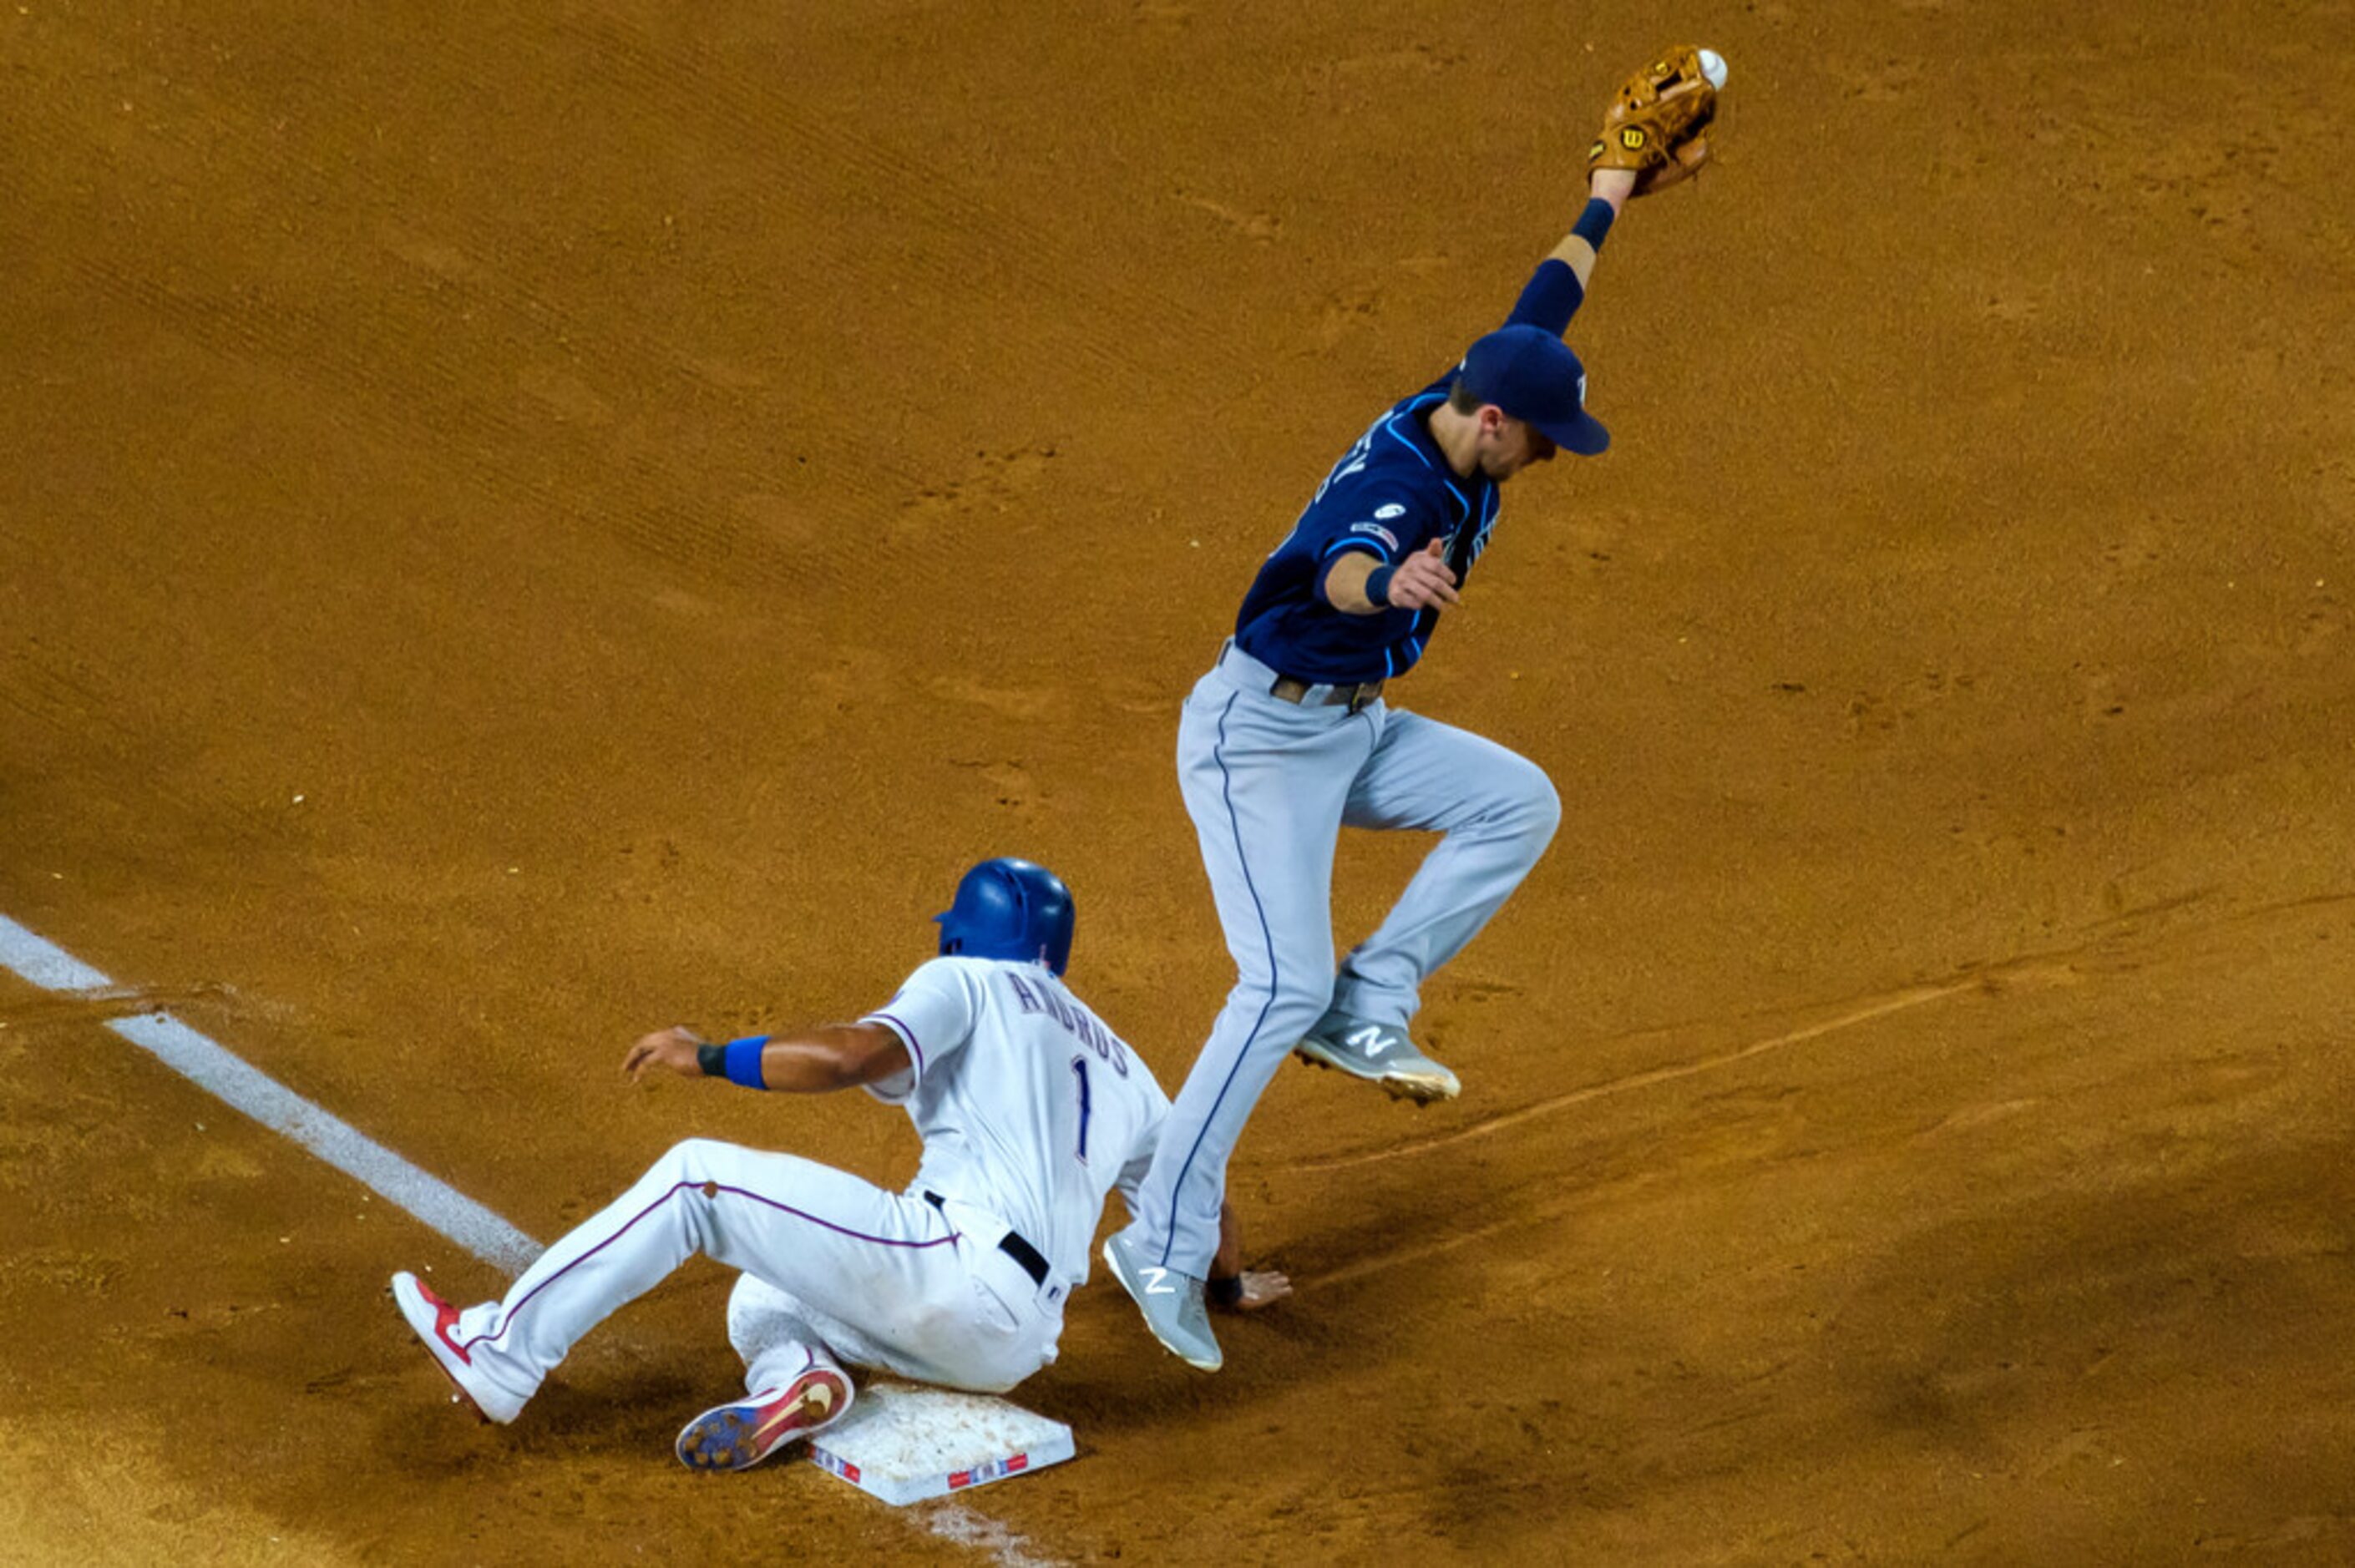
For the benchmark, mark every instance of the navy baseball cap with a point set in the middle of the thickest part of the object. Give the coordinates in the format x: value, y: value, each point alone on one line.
x: 1532, y: 375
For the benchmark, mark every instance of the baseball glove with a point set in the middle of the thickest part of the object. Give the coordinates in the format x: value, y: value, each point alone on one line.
x: 1656, y: 122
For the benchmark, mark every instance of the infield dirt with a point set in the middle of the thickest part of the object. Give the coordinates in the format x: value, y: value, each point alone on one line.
x: 528, y: 524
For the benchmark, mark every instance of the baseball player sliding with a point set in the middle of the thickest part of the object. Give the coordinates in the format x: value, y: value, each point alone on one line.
x: 1031, y: 1111
x: 1288, y: 737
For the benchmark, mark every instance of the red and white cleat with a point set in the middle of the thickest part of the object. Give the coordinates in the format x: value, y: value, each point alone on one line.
x: 436, y: 1322
x: 740, y: 1435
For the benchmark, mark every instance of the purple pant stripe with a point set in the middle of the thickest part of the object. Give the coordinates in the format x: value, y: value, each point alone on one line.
x: 676, y: 1189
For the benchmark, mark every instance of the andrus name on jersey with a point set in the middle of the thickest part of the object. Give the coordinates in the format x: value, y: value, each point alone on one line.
x: 1083, y: 1028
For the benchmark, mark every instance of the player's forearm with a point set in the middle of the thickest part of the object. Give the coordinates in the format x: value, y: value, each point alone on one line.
x: 814, y: 1061
x: 1346, y: 581
x: 1554, y: 294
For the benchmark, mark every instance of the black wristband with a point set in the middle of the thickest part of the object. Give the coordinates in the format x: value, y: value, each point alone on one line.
x: 1224, y: 1292
x: 1378, y: 585
x: 713, y: 1060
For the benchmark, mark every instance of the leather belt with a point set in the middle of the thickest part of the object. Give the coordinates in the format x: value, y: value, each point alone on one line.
x: 1293, y: 689
x: 1011, y: 1243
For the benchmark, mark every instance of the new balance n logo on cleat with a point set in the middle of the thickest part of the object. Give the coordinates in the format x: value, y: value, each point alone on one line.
x: 1380, y: 1054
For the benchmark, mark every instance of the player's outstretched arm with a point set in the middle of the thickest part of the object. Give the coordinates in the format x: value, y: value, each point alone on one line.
x: 1233, y: 1286
x: 1557, y: 287
x: 812, y: 1062
x: 1653, y: 137
x: 1577, y: 250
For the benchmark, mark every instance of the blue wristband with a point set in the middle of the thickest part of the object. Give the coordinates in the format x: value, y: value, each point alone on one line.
x: 1378, y: 584
x: 745, y: 1061
x: 1595, y: 222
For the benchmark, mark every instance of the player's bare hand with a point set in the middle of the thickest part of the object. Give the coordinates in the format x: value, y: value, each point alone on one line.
x: 673, y: 1048
x: 1422, y: 579
x: 1262, y: 1288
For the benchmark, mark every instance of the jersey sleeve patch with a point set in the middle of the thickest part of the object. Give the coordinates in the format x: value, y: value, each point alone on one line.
x: 1398, y: 507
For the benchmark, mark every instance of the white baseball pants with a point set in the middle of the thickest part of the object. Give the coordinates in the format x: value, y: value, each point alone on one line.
x: 846, y: 1270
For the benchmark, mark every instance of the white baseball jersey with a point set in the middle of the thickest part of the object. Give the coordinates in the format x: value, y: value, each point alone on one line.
x: 1031, y: 1111
x: 1027, y: 1105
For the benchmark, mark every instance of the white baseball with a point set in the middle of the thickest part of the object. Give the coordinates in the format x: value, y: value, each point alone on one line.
x: 1712, y: 66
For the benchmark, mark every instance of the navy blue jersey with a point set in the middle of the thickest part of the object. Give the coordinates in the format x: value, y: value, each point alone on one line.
x: 1389, y: 495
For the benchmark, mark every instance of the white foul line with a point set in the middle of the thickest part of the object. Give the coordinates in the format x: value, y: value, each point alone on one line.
x: 249, y: 1089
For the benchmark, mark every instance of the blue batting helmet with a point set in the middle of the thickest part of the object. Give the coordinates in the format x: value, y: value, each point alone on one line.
x: 1010, y: 910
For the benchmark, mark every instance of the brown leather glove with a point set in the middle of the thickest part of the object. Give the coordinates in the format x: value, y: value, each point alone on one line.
x: 1656, y: 122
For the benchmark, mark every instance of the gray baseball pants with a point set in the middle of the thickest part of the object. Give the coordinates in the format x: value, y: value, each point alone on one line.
x: 1270, y: 784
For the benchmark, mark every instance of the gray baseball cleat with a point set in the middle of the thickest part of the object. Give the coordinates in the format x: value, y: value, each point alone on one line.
x: 1379, y: 1053
x: 1171, y: 1302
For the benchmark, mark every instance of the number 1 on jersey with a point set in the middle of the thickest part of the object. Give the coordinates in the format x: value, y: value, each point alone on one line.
x: 1080, y: 1067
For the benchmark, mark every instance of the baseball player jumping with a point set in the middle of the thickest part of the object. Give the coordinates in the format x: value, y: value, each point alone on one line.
x: 1031, y: 1111
x: 1287, y: 737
